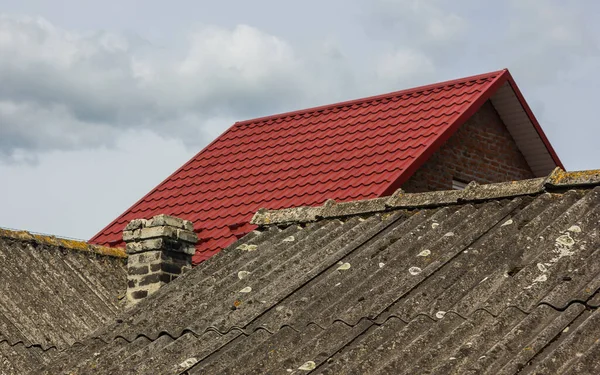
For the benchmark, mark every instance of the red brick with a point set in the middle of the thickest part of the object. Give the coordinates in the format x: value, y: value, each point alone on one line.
x: 482, y: 150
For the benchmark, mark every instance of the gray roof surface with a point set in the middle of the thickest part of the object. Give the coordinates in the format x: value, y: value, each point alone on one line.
x: 53, y: 292
x: 467, y: 285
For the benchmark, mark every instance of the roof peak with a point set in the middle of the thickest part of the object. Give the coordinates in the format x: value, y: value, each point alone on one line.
x: 412, y: 90
x: 64, y: 243
x: 557, y: 180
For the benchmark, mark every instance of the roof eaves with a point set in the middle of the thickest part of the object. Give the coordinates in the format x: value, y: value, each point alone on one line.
x: 533, y: 120
x: 556, y: 181
x: 64, y: 243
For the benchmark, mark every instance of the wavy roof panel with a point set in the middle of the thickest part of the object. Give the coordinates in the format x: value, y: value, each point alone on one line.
x: 506, y: 280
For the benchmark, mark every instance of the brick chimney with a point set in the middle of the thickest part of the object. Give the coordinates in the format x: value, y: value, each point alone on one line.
x: 159, y: 250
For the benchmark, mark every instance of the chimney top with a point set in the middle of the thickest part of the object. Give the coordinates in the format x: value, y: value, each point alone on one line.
x: 160, y: 249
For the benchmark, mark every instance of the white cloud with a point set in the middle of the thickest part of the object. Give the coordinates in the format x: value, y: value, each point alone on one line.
x: 419, y: 37
x: 429, y: 25
x: 68, y: 90
x: 404, y: 66
x: 547, y: 39
x: 100, y: 118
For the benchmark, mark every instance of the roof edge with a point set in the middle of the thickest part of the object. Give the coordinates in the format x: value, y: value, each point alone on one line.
x: 411, y: 90
x: 444, y: 136
x: 65, y: 243
x: 557, y: 180
x: 95, y: 238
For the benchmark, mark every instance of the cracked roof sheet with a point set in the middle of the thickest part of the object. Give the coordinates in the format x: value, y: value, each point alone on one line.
x: 499, y: 286
x: 53, y: 292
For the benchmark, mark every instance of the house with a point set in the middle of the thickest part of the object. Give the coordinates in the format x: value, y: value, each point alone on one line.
x: 427, y: 138
x: 498, y: 278
x: 392, y: 265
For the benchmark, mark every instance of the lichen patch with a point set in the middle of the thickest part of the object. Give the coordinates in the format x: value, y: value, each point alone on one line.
x: 246, y: 247
x: 344, y: 266
x: 308, y: 366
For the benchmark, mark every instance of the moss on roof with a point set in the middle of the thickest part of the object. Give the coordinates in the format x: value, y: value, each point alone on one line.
x: 65, y: 243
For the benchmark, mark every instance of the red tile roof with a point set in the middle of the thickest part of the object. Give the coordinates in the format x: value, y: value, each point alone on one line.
x: 359, y: 149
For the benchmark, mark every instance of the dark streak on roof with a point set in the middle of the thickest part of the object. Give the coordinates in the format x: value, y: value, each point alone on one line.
x: 53, y: 292
x: 502, y: 283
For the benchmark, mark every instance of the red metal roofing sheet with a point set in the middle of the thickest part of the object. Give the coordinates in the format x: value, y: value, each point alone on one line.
x: 345, y: 151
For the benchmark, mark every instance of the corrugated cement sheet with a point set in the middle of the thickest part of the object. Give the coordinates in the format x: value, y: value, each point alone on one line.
x: 51, y: 297
x: 502, y: 287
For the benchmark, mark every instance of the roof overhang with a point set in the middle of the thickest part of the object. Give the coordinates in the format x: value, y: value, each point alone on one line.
x: 524, y: 128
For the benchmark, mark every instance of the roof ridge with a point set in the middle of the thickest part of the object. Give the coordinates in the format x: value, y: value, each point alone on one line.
x: 557, y: 180
x: 66, y: 243
x: 411, y: 90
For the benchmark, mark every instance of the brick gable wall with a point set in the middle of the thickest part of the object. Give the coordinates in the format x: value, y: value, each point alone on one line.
x: 482, y: 150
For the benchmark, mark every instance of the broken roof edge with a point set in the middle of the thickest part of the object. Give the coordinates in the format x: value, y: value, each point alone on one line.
x: 65, y: 243
x: 557, y: 180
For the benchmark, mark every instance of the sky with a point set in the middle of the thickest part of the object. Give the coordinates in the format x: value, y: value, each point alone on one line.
x: 102, y: 100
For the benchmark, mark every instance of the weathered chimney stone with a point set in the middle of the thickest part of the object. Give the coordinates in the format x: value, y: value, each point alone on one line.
x: 159, y: 250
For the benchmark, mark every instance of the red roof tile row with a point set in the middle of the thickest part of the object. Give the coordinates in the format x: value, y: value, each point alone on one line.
x: 353, y: 150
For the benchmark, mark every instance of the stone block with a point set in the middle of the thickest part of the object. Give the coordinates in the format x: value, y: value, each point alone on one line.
x: 150, y: 279
x: 187, y: 236
x: 189, y: 250
x: 171, y: 268
x: 158, y: 232
x: 154, y: 244
x: 139, y: 294
x: 131, y: 235
x: 137, y: 270
x: 166, y: 220
x: 135, y: 224
x: 155, y: 267
x: 133, y: 247
x: 188, y: 225
x: 144, y: 258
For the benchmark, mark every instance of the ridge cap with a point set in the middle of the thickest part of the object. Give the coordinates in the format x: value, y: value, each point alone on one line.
x: 557, y: 180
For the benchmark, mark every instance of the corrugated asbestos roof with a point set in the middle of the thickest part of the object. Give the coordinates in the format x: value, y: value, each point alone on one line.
x: 503, y: 279
x: 346, y: 151
x: 53, y: 292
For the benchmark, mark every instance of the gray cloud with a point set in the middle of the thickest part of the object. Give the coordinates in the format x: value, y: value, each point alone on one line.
x: 102, y: 117
x: 547, y: 39
x: 71, y: 90
x: 65, y: 90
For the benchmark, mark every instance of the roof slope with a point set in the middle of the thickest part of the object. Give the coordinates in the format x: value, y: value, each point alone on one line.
x: 347, y: 151
x: 53, y: 292
x: 499, y: 286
